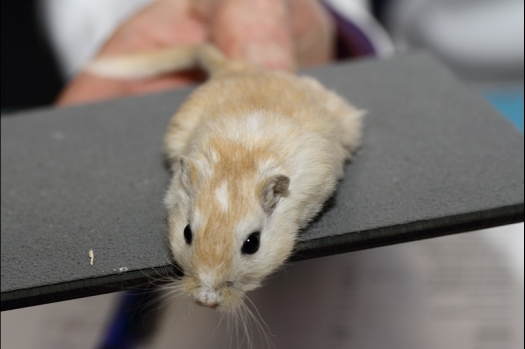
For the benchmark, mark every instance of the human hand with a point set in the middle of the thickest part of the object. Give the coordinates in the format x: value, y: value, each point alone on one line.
x: 276, y: 34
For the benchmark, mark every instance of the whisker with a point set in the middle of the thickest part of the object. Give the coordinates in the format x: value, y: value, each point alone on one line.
x: 259, y: 315
x: 264, y: 332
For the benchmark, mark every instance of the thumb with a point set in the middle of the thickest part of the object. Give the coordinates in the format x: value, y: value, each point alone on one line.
x: 257, y: 31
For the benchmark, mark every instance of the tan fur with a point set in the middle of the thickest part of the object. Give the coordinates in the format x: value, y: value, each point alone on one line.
x: 241, y: 128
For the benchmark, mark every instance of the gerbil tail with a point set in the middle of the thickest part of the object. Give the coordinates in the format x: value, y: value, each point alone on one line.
x: 153, y: 63
x: 215, y: 63
x: 144, y: 64
x: 211, y: 59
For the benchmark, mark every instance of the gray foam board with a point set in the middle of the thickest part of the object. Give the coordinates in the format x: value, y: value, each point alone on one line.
x: 436, y: 160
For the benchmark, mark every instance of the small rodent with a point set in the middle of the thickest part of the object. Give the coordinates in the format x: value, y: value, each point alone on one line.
x: 254, y: 155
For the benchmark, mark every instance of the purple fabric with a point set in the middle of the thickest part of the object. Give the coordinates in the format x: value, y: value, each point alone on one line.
x: 351, y: 40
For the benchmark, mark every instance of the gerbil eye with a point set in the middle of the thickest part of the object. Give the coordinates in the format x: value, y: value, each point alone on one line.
x: 251, y: 244
x: 188, y: 235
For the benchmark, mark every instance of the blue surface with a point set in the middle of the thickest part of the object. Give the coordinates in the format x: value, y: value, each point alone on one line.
x: 509, y: 103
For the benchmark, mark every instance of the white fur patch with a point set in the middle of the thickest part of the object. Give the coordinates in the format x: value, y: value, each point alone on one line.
x: 250, y: 126
x: 253, y: 122
x: 214, y: 156
x: 207, y: 278
x: 207, y: 293
x: 221, y: 193
x: 197, y: 219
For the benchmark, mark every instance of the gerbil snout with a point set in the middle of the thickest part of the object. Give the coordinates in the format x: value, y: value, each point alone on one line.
x: 207, y: 297
x: 211, y: 294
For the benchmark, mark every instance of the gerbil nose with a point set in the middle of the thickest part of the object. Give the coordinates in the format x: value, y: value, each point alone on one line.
x: 207, y: 297
x: 212, y: 305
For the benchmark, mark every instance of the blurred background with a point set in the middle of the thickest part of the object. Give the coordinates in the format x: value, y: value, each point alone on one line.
x: 463, y: 291
x: 46, y: 42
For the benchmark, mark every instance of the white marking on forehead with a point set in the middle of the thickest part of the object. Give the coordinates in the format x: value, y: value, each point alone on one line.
x: 254, y: 122
x: 249, y: 127
x: 197, y: 220
x: 214, y: 156
x: 221, y: 193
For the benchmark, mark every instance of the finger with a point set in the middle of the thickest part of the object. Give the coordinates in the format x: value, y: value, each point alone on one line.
x: 165, y: 23
x: 254, y: 30
x: 313, y: 32
x: 88, y: 88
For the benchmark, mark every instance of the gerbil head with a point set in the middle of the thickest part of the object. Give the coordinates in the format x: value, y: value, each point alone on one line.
x: 223, y: 227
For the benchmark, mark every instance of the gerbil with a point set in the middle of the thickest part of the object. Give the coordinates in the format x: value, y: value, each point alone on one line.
x: 254, y: 155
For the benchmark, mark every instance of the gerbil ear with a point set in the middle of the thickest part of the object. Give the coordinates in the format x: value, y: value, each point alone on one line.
x: 187, y: 172
x: 273, y: 188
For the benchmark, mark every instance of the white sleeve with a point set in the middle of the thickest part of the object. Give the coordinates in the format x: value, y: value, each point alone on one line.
x: 77, y: 28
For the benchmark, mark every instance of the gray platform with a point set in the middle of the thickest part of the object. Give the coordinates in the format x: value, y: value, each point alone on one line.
x: 436, y: 160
